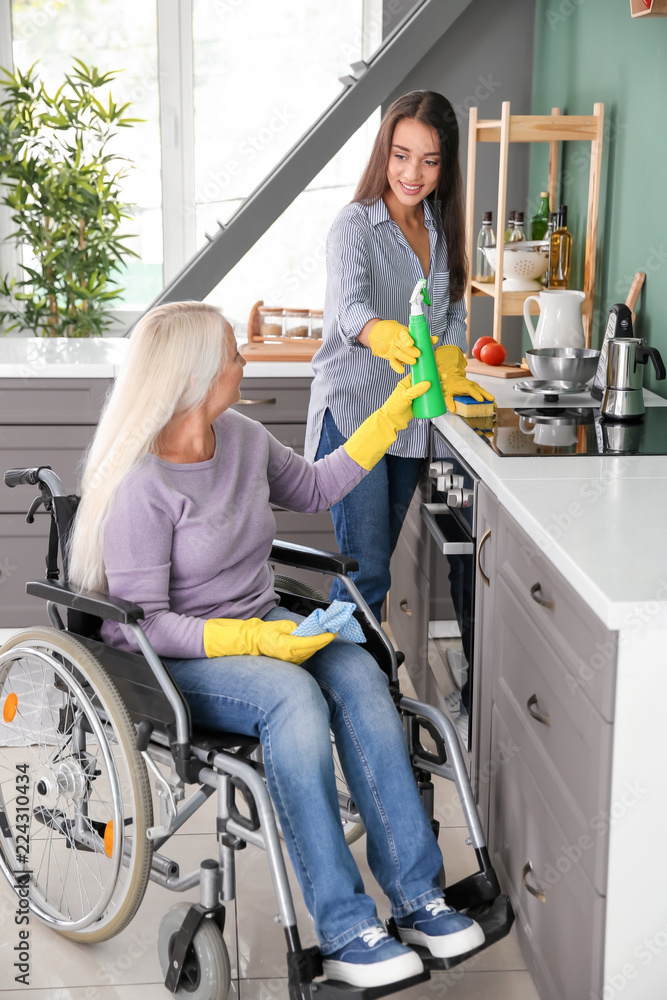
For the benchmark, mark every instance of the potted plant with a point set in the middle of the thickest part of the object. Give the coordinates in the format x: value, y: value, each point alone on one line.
x: 61, y: 182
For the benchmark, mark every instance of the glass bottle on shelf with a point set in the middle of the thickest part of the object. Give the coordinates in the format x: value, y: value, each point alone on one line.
x: 518, y: 233
x: 560, y: 252
x: 540, y: 221
x: 510, y: 226
x: 485, y: 238
x: 551, y: 225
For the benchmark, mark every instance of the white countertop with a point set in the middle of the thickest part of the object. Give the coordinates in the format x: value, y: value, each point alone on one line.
x: 601, y: 520
x: 99, y: 357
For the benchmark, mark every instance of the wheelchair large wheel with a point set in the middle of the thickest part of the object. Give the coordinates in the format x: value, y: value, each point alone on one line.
x: 75, y: 800
x: 206, y: 970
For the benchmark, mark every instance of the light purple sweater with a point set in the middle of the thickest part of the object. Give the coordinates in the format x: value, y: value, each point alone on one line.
x: 191, y: 542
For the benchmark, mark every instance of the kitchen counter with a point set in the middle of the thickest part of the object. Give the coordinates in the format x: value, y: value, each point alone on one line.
x: 99, y: 357
x: 600, y: 520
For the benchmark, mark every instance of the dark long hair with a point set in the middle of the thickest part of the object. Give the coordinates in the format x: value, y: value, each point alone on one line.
x: 435, y: 111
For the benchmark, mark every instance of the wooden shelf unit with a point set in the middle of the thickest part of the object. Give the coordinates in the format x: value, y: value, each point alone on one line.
x: 554, y: 129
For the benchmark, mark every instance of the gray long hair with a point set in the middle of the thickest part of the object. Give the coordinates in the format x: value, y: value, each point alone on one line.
x: 175, y: 356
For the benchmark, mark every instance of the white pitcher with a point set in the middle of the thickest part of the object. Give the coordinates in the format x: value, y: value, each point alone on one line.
x: 560, y: 323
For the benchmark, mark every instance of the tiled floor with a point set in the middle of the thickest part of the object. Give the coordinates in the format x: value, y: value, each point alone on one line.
x: 127, y: 967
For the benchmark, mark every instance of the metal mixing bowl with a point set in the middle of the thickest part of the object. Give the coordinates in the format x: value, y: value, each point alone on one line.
x: 571, y: 364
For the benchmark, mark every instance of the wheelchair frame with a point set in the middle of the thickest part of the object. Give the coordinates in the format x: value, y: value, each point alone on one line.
x: 222, y: 763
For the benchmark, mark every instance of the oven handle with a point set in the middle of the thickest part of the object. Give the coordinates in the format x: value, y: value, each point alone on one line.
x: 447, y: 547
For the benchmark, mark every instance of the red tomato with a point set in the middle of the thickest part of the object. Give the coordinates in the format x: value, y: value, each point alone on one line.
x: 479, y: 344
x: 492, y: 354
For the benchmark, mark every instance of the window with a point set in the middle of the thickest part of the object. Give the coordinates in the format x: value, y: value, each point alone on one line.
x: 225, y: 88
x: 110, y: 34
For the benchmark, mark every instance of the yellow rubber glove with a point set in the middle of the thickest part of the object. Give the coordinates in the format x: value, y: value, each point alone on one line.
x: 392, y: 340
x: 254, y: 637
x: 370, y: 441
x: 451, y: 365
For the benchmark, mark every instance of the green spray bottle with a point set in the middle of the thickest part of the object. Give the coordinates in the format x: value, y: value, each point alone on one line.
x: 432, y: 403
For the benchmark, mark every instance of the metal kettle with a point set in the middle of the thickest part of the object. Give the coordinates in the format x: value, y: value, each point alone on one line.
x: 623, y: 397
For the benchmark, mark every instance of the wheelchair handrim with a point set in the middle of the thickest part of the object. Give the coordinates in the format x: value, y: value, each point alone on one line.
x: 39, y: 905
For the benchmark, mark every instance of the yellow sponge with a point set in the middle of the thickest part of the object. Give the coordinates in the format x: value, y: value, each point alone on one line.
x: 466, y: 406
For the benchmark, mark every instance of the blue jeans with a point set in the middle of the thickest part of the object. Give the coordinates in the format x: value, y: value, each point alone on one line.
x: 368, y: 521
x: 292, y: 710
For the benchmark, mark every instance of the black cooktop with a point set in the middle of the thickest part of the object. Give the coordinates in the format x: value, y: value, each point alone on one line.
x: 554, y: 430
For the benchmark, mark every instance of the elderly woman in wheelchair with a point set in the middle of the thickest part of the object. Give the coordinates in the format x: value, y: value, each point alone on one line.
x: 175, y: 516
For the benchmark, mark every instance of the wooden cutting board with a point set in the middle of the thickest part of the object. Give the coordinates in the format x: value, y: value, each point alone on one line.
x: 476, y: 367
x: 281, y: 350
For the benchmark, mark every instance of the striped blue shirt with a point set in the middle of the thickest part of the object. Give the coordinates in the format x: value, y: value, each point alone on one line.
x: 371, y: 273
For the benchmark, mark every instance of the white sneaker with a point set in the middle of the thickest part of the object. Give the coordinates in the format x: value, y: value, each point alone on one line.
x: 372, y: 959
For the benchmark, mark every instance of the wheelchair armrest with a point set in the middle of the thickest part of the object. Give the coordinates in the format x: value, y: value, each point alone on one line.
x: 100, y: 605
x: 319, y: 560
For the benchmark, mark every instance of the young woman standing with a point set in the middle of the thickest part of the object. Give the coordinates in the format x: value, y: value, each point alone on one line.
x: 405, y: 223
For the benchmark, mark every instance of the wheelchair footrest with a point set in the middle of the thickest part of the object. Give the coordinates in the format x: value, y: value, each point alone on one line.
x: 332, y: 989
x: 495, y: 920
x: 473, y: 890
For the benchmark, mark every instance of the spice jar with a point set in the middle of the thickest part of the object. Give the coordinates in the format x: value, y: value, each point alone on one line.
x: 296, y: 322
x: 270, y: 322
x: 316, y: 319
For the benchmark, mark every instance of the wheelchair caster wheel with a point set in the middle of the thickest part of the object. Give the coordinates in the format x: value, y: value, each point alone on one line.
x: 206, y: 970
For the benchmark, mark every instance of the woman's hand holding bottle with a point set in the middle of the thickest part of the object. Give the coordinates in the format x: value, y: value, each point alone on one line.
x: 392, y: 340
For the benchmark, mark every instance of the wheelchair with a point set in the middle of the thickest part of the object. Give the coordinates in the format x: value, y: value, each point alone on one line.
x: 85, y: 726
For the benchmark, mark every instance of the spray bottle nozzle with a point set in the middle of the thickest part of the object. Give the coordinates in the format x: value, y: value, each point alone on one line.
x: 418, y: 296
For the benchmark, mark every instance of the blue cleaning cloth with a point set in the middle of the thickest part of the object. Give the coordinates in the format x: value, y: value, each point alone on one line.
x: 336, y: 618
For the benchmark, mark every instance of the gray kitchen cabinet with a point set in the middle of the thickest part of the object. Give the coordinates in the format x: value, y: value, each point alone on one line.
x: 541, y: 735
x: 550, y: 719
x: 47, y: 421
x: 51, y: 401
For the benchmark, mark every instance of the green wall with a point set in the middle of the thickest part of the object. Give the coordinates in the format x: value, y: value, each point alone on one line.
x: 588, y: 51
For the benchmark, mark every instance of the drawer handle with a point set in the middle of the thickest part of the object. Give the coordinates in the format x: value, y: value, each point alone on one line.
x: 537, y: 893
x: 536, y: 594
x: 403, y: 605
x: 253, y: 402
x: 531, y: 705
x: 485, y: 537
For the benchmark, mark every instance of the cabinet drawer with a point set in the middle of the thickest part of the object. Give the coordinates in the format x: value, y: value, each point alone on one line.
x: 283, y: 402
x: 23, y: 549
x: 561, y: 937
x: 293, y: 435
x: 569, y: 753
x: 23, y: 447
x: 289, y: 522
x: 51, y: 400
x: 588, y: 649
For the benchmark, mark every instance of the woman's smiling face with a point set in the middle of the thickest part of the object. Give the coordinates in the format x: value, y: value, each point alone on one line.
x: 414, y: 161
